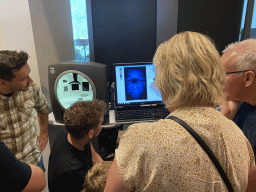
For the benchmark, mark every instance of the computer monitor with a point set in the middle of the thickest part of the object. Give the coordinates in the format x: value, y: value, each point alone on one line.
x: 73, y: 81
x: 134, y: 85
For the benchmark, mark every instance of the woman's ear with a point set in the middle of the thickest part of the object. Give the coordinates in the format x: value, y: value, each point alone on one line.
x: 249, y: 78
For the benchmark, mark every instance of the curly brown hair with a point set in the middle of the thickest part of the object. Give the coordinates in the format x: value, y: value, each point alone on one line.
x: 83, y: 116
x: 11, y: 61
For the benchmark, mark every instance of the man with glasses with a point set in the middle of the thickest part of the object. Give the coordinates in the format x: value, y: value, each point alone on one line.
x: 239, y: 61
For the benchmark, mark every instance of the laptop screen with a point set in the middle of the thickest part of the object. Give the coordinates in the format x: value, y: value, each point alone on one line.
x: 134, y: 84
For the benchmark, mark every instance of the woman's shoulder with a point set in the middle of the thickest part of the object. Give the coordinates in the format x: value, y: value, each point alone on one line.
x: 162, y: 131
x: 148, y: 127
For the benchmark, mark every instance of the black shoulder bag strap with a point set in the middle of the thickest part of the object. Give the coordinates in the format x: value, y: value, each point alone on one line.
x: 206, y: 149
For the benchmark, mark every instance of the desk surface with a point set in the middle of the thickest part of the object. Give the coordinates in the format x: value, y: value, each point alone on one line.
x: 109, y: 124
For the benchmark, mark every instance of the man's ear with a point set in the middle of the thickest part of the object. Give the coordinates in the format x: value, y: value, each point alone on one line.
x: 249, y: 78
x: 91, y: 133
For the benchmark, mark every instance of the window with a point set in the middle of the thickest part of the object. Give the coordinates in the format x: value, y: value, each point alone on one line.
x: 253, y: 24
x: 80, y: 29
x: 243, y: 19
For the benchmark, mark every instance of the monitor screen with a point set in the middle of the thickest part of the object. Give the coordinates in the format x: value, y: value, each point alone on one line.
x: 135, y: 84
x: 72, y: 86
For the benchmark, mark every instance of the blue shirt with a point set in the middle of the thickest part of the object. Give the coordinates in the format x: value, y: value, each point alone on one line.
x: 246, y: 120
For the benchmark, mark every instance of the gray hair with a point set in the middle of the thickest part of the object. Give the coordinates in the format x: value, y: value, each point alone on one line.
x: 246, y: 50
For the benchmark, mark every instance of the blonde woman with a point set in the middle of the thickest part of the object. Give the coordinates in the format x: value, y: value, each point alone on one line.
x: 163, y: 156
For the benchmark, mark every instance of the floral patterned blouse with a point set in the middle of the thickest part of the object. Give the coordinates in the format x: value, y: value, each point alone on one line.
x: 163, y: 156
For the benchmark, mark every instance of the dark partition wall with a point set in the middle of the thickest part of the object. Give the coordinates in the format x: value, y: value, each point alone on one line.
x: 219, y: 19
x: 124, y: 31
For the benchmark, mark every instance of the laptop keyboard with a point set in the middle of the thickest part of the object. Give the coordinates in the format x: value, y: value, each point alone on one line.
x: 147, y: 114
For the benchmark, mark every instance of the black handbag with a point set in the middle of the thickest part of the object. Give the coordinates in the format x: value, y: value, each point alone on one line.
x: 206, y: 149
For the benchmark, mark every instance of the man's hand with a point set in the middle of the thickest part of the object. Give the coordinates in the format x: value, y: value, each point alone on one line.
x: 42, y: 141
x: 229, y: 109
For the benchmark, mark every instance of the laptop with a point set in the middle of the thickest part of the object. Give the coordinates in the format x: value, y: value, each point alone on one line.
x: 135, y: 94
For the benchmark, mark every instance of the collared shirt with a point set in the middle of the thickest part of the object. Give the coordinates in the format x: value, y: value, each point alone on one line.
x: 18, y: 126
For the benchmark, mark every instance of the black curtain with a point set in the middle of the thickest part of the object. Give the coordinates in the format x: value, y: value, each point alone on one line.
x: 123, y: 31
x: 219, y: 19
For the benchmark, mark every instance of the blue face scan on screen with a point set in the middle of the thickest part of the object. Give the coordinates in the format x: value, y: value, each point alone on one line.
x: 73, y: 87
x: 135, y: 83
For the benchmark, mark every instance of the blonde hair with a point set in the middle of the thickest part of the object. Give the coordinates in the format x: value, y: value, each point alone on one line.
x: 246, y: 50
x: 95, y: 180
x: 189, y: 71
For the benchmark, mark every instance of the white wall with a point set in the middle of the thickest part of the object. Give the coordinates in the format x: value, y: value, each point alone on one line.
x: 51, y: 39
x: 16, y: 31
x: 53, y: 34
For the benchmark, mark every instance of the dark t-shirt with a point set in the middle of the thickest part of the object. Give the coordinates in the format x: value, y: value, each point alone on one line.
x: 246, y: 120
x: 67, y: 165
x: 14, y: 174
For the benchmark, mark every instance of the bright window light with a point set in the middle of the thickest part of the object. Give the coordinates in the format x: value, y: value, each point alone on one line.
x: 243, y: 19
x: 253, y: 25
x: 80, y: 29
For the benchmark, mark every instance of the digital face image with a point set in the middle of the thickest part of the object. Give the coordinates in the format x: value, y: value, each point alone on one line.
x: 135, y: 83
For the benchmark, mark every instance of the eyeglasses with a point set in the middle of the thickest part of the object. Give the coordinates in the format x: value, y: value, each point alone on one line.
x: 236, y: 72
